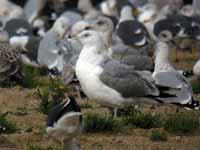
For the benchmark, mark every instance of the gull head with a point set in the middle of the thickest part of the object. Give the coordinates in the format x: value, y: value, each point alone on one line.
x: 187, y: 10
x: 109, y: 7
x: 61, y: 26
x: 165, y: 36
x: 126, y: 13
x: 103, y: 24
x: 88, y: 38
x: 80, y: 27
x: 148, y: 12
x: 168, y: 10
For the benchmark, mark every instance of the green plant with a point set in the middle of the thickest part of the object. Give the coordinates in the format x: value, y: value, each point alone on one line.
x: 182, y: 123
x: 38, y: 147
x: 158, y: 136
x: 96, y: 123
x: 6, y: 126
x: 51, y: 95
x: 196, y: 86
x: 7, y: 84
x: 31, y: 75
x: 127, y: 111
x: 86, y: 106
x: 145, y: 121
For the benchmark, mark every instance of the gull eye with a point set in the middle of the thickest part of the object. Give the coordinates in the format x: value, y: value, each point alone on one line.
x: 86, y: 35
x: 100, y: 22
x: 87, y: 28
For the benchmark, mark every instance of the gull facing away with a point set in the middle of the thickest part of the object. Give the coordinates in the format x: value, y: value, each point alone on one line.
x: 110, y: 82
x: 64, y: 124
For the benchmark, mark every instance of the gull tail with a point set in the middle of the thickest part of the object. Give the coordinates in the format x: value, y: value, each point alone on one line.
x: 193, y: 104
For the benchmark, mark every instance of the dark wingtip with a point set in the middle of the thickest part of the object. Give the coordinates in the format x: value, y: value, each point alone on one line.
x: 61, y: 109
x: 194, y: 104
x: 188, y: 73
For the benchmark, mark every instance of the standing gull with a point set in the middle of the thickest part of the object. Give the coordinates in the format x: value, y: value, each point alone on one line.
x: 178, y: 90
x: 110, y: 82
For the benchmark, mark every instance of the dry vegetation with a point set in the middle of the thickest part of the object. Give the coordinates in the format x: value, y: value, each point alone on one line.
x: 145, y: 128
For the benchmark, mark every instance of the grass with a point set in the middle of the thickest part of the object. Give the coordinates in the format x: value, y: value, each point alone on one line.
x: 127, y: 111
x: 38, y: 147
x: 144, y: 121
x: 51, y: 95
x: 87, y: 106
x: 158, y: 136
x: 6, y: 127
x: 182, y: 123
x: 31, y: 79
x: 98, y: 123
x: 196, y: 86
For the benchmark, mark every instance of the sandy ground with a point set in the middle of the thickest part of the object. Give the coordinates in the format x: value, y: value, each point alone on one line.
x: 22, y: 108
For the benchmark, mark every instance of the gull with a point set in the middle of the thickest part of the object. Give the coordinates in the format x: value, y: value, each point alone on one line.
x: 187, y: 10
x: 110, y: 82
x: 178, y: 90
x: 129, y: 30
x: 64, y: 124
x: 139, y: 57
x: 9, y: 10
x: 150, y: 14
x: 10, y: 63
x: 21, y: 35
x: 109, y: 8
x: 106, y: 80
x: 49, y: 52
x: 88, y: 9
x: 32, y: 9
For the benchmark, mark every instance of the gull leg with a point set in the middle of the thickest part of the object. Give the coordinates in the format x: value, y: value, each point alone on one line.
x: 78, y: 92
x: 176, y: 55
x: 115, y: 112
x: 193, y: 51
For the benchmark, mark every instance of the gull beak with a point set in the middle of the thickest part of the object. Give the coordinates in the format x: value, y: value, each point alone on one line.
x: 72, y: 36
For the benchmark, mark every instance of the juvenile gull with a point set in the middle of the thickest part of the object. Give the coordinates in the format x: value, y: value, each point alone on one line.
x: 10, y: 63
